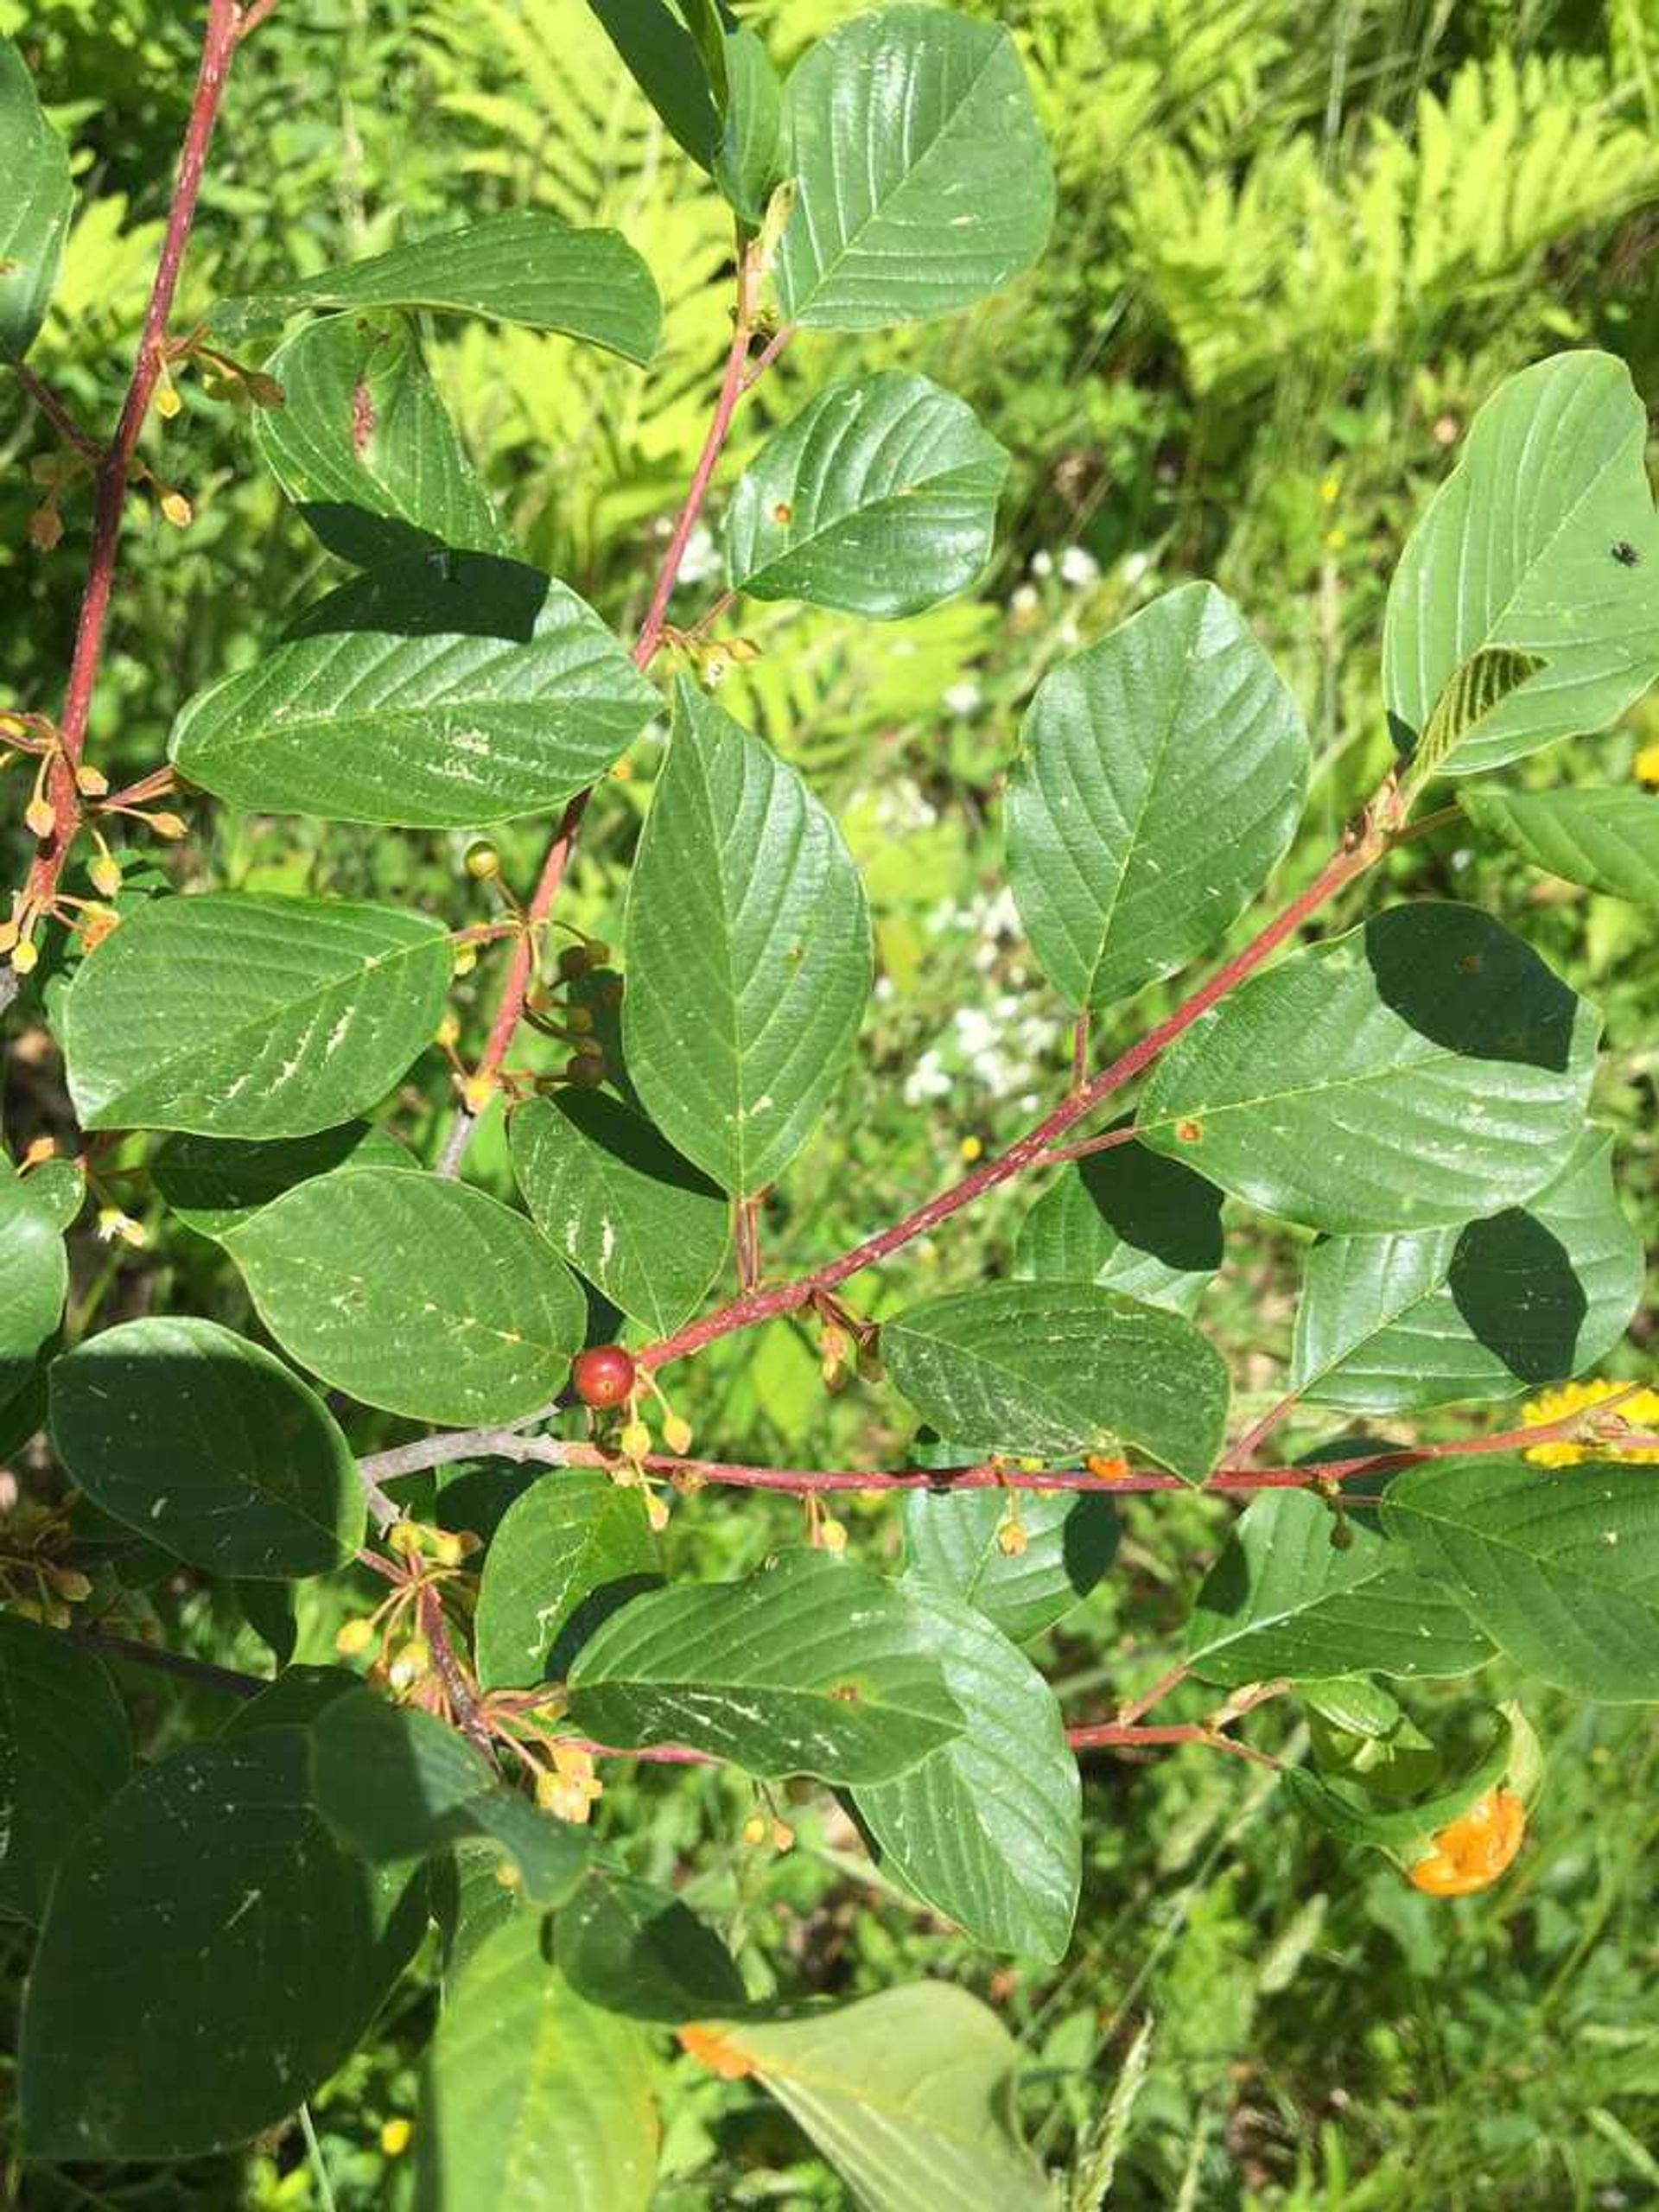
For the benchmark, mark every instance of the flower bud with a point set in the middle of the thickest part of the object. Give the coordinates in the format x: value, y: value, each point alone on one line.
x: 677, y: 1432
x: 353, y: 1639
x: 40, y: 816
x: 90, y: 782
x: 178, y: 510
x: 483, y: 861
x: 106, y: 874
x: 635, y: 1439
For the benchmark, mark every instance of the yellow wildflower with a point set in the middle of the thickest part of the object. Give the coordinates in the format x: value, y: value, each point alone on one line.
x: 1639, y: 1411
x: 1645, y: 766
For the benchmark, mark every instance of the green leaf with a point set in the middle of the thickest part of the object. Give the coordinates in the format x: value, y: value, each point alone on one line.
x: 294, y: 1700
x: 1559, y: 1565
x: 635, y: 1948
x: 988, y: 1829
x: 569, y: 1550
x: 236, y: 1016
x: 924, y: 181
x: 526, y: 267
x: 443, y: 692
x: 363, y: 444
x: 65, y: 1750
x: 1070, y: 1541
x: 1607, y: 840
x: 880, y: 498
x: 1392, y: 1324
x: 812, y: 1666
x: 624, y: 1208
x: 470, y: 1902
x: 1282, y: 1599
x: 1057, y: 1369
x: 35, y: 220
x: 748, y: 161
x: 749, y: 957
x: 1374, y: 1744
x: 1517, y: 551
x: 531, y: 2100
x: 216, y: 1183
x: 209, y: 1958
x: 205, y: 1443
x: 1354, y: 1812
x: 33, y: 1272
x: 1424, y: 1068
x: 664, y: 60
x: 417, y: 1294
x: 1159, y: 779
x: 909, y: 2095
x: 1130, y: 1221
x: 396, y: 1784
x: 1483, y: 682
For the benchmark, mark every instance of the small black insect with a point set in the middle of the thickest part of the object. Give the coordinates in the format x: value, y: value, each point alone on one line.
x: 1626, y: 555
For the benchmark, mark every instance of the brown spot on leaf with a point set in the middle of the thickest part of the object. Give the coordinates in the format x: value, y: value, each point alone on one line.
x: 783, y: 512
x: 1189, y: 1132
x: 363, y: 416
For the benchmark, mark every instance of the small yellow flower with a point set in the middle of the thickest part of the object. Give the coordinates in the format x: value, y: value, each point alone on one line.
x: 394, y: 2137
x: 112, y: 1223
x: 1640, y: 1411
x: 971, y: 1149
x: 1330, y: 489
x: 1645, y: 766
x: 569, y: 1792
x: 1335, y: 540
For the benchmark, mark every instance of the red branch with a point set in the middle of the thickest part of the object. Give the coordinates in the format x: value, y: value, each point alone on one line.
x: 225, y: 25
x: 513, y: 1446
x: 521, y: 971
x: 1356, y: 856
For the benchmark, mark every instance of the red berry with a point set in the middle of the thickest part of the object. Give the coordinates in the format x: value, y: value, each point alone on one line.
x: 603, y: 1375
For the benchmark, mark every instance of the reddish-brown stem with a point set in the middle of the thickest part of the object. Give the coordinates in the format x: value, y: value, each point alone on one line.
x: 180, y: 1663
x: 1082, y: 1150
x: 226, y: 23
x: 1134, y: 1707
x: 1114, y: 1735
x: 457, y: 1689
x: 732, y: 385
x: 768, y: 354
x: 659, y: 1754
x: 58, y: 414
x: 1080, y: 1050
x: 156, y: 785
x: 1108, y: 1734
x: 1356, y: 854
x: 521, y: 971
x: 513, y: 1445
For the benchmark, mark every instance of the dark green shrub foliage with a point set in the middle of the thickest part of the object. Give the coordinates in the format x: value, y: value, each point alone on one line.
x: 218, y: 1925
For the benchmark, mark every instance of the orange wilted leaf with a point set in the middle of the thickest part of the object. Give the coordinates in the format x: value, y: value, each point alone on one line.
x: 1472, y: 1851
x: 712, y: 2049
